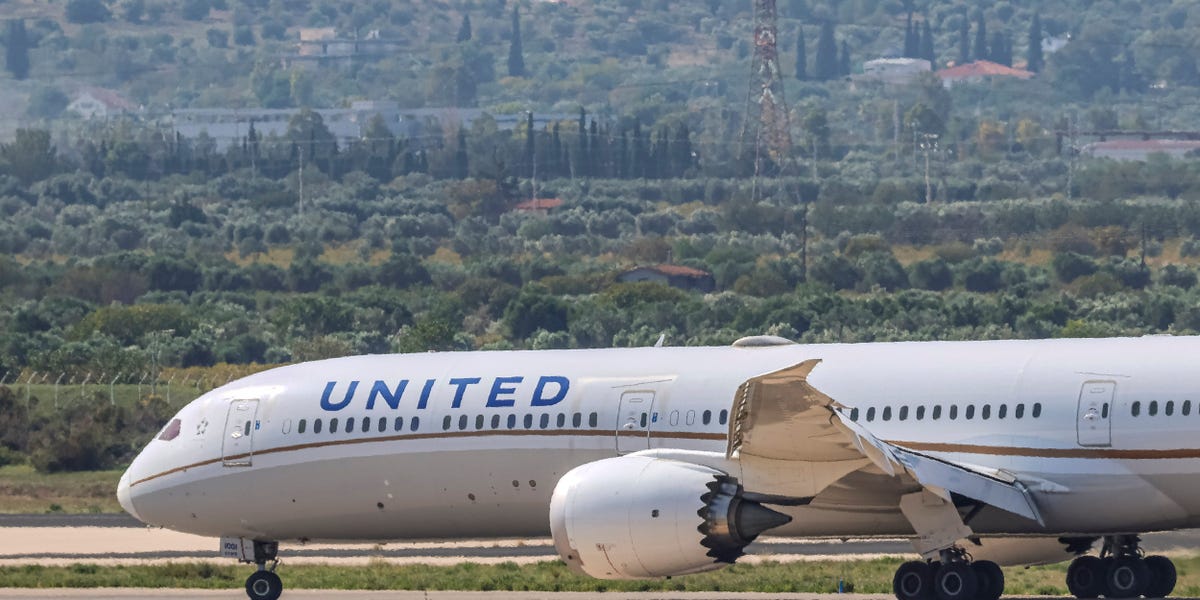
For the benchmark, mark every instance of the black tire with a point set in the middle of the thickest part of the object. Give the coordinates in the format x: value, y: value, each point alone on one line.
x: 991, y: 579
x: 1162, y: 577
x: 956, y: 581
x: 1128, y: 578
x: 264, y: 585
x: 913, y: 581
x: 1087, y: 577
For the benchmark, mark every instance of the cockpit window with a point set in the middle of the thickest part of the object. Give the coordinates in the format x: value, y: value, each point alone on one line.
x: 171, y: 431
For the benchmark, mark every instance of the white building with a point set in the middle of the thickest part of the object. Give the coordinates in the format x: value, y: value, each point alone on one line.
x: 99, y: 103
x: 1140, y: 150
x: 893, y: 71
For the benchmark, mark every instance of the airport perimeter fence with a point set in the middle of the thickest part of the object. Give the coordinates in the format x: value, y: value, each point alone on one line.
x: 64, y: 389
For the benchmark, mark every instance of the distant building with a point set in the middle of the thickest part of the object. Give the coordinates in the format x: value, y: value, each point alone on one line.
x: 979, y: 71
x: 893, y: 71
x: 539, y: 206
x: 678, y: 276
x: 1140, y: 150
x: 227, y: 126
x: 100, y: 103
x: 321, y: 45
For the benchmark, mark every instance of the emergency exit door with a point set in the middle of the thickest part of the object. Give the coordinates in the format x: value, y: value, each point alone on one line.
x: 237, y: 447
x: 633, y: 421
x: 1094, y: 423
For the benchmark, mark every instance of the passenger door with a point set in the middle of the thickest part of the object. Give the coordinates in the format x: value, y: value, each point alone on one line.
x: 1094, y: 422
x: 237, y: 445
x: 633, y: 421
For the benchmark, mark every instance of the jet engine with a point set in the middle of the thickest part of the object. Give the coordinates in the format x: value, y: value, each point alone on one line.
x: 636, y: 517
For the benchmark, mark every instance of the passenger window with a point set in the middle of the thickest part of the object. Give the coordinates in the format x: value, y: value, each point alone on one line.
x: 1003, y: 411
x: 462, y: 422
x: 674, y: 418
x: 937, y: 412
x: 903, y: 413
x: 414, y: 423
x: 302, y: 425
x: 870, y: 414
x: 446, y: 422
x: 1037, y: 409
x: 287, y: 427
x: 854, y: 414
x: 544, y: 421
x: 495, y: 421
x: 247, y: 428
x: 1104, y: 411
x: 987, y: 412
x: 970, y: 414
x: 706, y: 417
x: 643, y: 421
x: 383, y: 424
x: 1153, y: 408
x: 953, y: 412
x: 333, y: 425
x: 576, y: 419
x: 691, y: 417
x: 1186, y: 409
x: 724, y: 417
x: 350, y: 425
x: 478, y: 421
x: 399, y: 424
x: 528, y: 421
x: 887, y: 413
x: 920, y: 413
x: 593, y: 419
x: 512, y: 421
x: 1169, y: 409
x: 1135, y: 409
x: 317, y: 426
x: 561, y: 420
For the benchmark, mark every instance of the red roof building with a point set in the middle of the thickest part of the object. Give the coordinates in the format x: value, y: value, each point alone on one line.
x: 980, y: 70
x: 539, y: 205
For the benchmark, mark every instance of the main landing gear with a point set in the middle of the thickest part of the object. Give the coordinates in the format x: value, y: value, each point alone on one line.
x: 262, y: 584
x: 954, y: 577
x: 1121, y: 572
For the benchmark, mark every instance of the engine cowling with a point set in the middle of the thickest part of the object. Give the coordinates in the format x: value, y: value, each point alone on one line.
x: 638, y: 517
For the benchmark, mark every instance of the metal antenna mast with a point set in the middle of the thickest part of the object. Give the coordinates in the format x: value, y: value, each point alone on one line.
x: 766, y: 123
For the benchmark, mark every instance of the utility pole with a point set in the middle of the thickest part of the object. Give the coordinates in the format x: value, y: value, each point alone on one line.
x: 1071, y: 150
x: 928, y: 143
x: 766, y: 123
x: 300, y: 200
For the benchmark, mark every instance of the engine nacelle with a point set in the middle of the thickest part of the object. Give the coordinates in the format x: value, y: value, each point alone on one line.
x: 637, y: 517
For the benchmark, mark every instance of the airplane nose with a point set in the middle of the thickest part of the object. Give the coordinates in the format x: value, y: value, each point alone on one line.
x: 124, y: 496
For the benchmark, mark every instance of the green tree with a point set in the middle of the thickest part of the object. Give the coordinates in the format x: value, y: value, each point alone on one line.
x: 533, y: 309
x: 307, y: 130
x: 844, y: 59
x: 827, y: 60
x: 87, y: 11
x: 16, y: 49
x: 927, y: 51
x: 464, y: 29
x: 30, y: 156
x: 47, y: 102
x: 981, y: 39
x: 964, y: 41
x: 133, y: 10
x: 1033, y: 56
x: 801, y: 56
x: 516, y: 57
x: 911, y: 43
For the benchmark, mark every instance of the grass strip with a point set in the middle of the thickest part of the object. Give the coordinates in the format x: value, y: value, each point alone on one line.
x: 865, y: 576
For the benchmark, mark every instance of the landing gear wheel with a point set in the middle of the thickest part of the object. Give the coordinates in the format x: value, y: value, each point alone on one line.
x: 913, y: 581
x: 1162, y: 576
x: 991, y: 579
x: 264, y: 585
x: 956, y: 581
x: 1128, y: 577
x: 1087, y: 577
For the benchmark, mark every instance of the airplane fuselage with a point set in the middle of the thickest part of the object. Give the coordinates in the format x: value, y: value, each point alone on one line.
x: 443, y: 445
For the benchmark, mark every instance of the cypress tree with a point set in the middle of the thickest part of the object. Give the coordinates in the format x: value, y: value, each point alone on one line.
x: 927, y: 44
x: 981, y: 48
x: 964, y: 41
x: 827, y: 60
x: 581, y: 157
x: 16, y: 49
x: 464, y: 30
x: 556, y: 149
x: 1033, y: 56
x: 911, y: 44
x: 460, y: 155
x: 683, y: 150
x: 801, y: 57
x: 637, y: 165
x: 996, y: 51
x: 844, y: 59
x: 595, y: 160
x: 516, y: 58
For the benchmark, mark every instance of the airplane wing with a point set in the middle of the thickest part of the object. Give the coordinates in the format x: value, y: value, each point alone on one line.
x: 780, y: 416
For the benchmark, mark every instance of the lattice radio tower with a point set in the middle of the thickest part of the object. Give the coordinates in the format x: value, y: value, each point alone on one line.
x: 766, y: 122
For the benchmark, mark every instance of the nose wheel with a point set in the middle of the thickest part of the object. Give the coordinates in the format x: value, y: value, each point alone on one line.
x: 264, y: 585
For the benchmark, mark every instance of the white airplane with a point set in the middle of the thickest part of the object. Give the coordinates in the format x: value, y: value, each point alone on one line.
x: 658, y: 462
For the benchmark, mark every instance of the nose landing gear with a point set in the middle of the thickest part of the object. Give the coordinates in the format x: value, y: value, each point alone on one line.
x: 262, y: 584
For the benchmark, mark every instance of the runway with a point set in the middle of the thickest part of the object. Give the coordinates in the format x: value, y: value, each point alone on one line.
x: 134, y: 593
